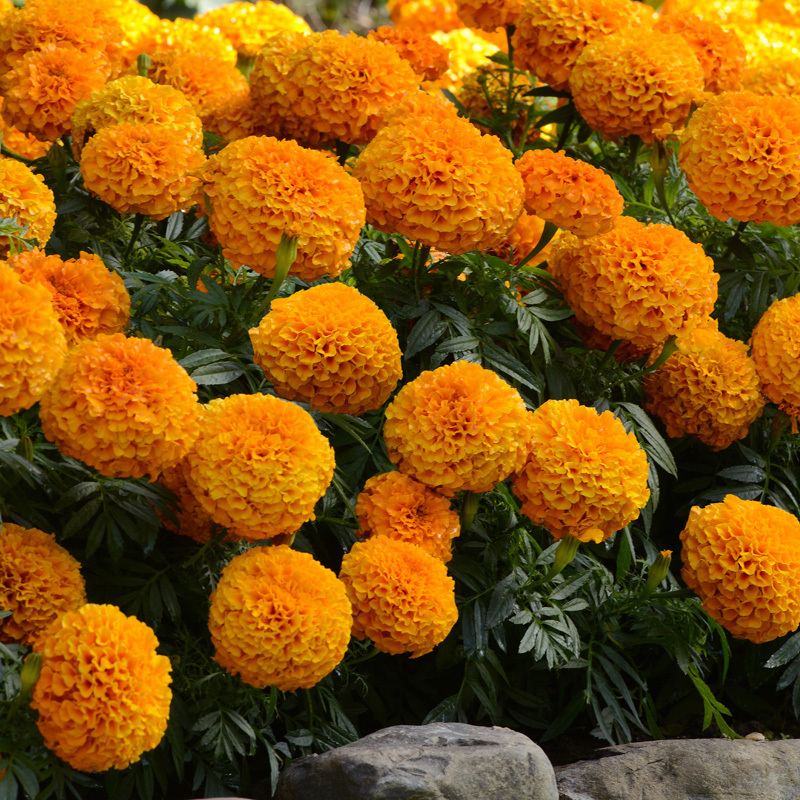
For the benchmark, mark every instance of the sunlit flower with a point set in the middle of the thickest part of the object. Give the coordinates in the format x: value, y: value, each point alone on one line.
x: 427, y: 58
x: 26, y: 198
x: 467, y: 50
x: 740, y: 154
x: 123, y: 406
x: 742, y: 559
x: 779, y: 75
x: 23, y: 144
x: 585, y: 476
x: 103, y: 694
x: 184, y: 36
x: 784, y: 12
x: 260, y: 188
x: 488, y: 15
x: 259, y: 465
x: 402, y: 597
x: 640, y: 283
x: 279, y: 618
x: 424, y: 16
x: 39, y: 580
x: 729, y: 12
x: 136, y: 20
x: 331, y: 347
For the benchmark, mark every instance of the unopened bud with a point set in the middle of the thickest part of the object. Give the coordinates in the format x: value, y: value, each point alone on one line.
x: 30, y: 672
x: 565, y: 553
x: 285, y: 255
x: 658, y: 571
x: 25, y: 448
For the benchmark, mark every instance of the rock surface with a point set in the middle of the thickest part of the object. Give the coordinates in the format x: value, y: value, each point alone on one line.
x: 686, y: 769
x: 441, y: 761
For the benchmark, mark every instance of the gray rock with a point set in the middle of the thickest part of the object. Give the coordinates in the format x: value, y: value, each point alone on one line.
x: 441, y: 761
x: 686, y: 769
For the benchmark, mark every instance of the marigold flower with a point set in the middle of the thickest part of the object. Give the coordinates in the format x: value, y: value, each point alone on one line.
x: 32, y: 343
x: 250, y: 25
x: 740, y: 153
x: 551, y: 34
x: 468, y: 51
x: 259, y: 465
x: 331, y: 347
x: 142, y: 169
x: 39, y: 580
x: 569, y: 193
x: 778, y: 76
x: 279, y: 618
x: 729, y: 12
x: 488, y: 15
x: 23, y: 144
x: 708, y: 388
x: 640, y: 283
x: 88, y: 298
x: 25, y: 197
x: 585, y: 476
x: 424, y: 16
x: 742, y: 560
x: 136, y: 20
x: 427, y: 58
x: 103, y: 693
x: 5, y: 7
x: 402, y: 597
x: 397, y: 506
x: 458, y: 427
x: 123, y: 406
x: 184, y: 36
x: 784, y: 12
x: 236, y: 119
x: 523, y: 238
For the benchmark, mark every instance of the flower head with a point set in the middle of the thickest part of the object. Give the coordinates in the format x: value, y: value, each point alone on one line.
x: 424, y: 16
x: 235, y: 119
x: 458, y: 427
x: 184, y: 36
x: 103, y: 693
x: 123, y: 406
x: 427, y: 58
x: 488, y: 15
x: 331, y: 347
x: 586, y: 475
x: 23, y: 144
x: 279, y: 618
x: 260, y: 188
x: 39, y: 580
x: 740, y: 153
x: 779, y: 75
x: 639, y: 283
x: 402, y: 597
x: 468, y: 51
x: 25, y: 196
x: 728, y: 12
x: 742, y: 559
x: 259, y: 465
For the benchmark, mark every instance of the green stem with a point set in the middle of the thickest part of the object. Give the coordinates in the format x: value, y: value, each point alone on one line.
x: 659, y: 163
x: 138, y: 221
x: 548, y: 232
x: 284, y: 258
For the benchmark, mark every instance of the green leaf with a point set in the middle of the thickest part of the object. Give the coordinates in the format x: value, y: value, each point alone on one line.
x: 446, y: 711
x: 202, y: 357
x: 743, y: 474
x: 427, y: 330
x: 502, y: 601
x: 785, y: 653
x: 217, y: 374
x: 655, y: 446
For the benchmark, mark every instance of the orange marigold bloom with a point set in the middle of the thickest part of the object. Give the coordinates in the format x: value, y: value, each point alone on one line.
x: 740, y: 154
x: 23, y: 144
x: 192, y: 520
x: 569, y: 193
x: 402, y: 597
x: 39, y: 580
x: 88, y: 298
x: 726, y: 11
x: 331, y: 347
x: 397, y: 506
x: 708, y: 388
x: 551, y: 34
x: 123, y: 406
x: 784, y: 12
x: 586, y: 475
x: 637, y: 83
x: 184, y: 36
x: 742, y: 560
x: 142, y: 169
x: 260, y: 188
x: 259, y: 465
x: 427, y: 58
x: 250, y: 25
x: 468, y: 51
x: 424, y: 16
x: 439, y: 181
x: 103, y: 694
x: 640, y: 283
x: 138, y: 101
x: 458, y: 427
x: 25, y: 197
x: 236, y: 119
x: 720, y: 51
x: 279, y: 618
x: 32, y: 342
x: 779, y: 76
x: 488, y: 15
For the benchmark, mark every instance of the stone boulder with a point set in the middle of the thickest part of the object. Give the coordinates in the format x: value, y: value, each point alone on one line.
x: 441, y: 761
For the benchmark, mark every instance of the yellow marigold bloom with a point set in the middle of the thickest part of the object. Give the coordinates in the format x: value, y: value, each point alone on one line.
x: 402, y: 597
x: 103, y: 694
x: 32, y: 342
x: 488, y: 15
x: 23, y: 144
x: 551, y: 34
x: 123, y: 406
x: 458, y: 427
x: 331, y: 347
x: 142, y: 169
x: 25, y: 197
x: 88, y: 298
x: 236, y: 119
x: 640, y: 283
x: 585, y: 476
x: 250, y: 25
x: 138, y: 101
x: 468, y: 51
x: 742, y: 559
x: 439, y: 181
x: 397, y: 506
x: 425, y: 16
x: 637, y: 83
x: 184, y: 36
x: 766, y: 41
x: 720, y: 51
x: 740, y: 154
x: 39, y: 580
x: 259, y: 465
x: 279, y: 618
x: 5, y: 7
x: 708, y: 388
x: 135, y: 19
x: 427, y: 58
x: 192, y: 520
x: 260, y: 188
x: 569, y: 193
x: 728, y: 12
x: 778, y: 76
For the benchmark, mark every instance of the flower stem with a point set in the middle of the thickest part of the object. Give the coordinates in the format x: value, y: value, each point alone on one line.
x: 138, y: 221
